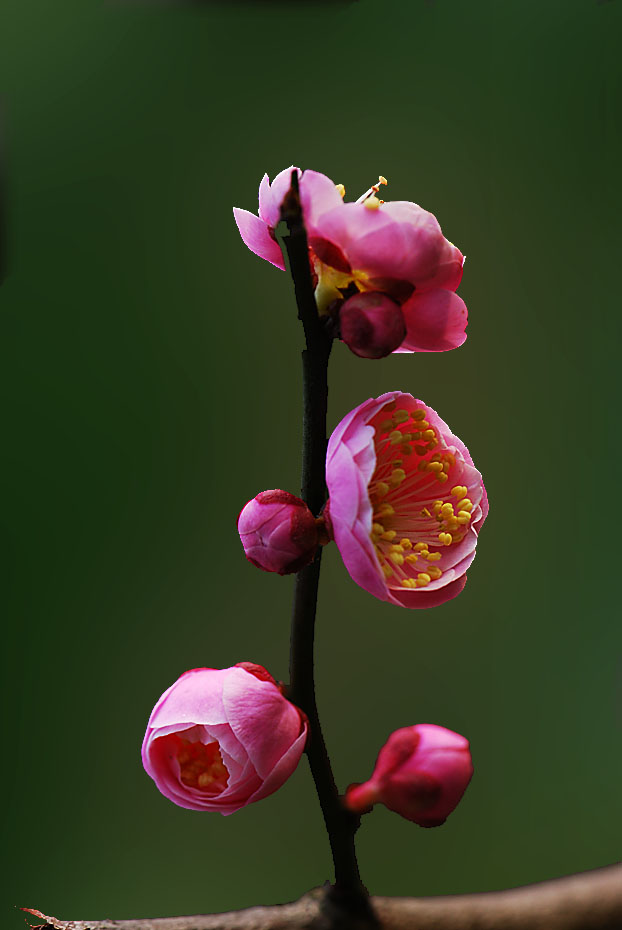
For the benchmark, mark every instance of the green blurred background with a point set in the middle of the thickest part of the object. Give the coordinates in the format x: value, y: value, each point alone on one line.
x: 151, y: 376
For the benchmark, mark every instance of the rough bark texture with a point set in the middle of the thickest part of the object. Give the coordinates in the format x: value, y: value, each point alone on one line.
x: 587, y: 901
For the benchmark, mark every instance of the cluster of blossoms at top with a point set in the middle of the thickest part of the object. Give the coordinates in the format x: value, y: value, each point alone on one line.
x: 384, y: 269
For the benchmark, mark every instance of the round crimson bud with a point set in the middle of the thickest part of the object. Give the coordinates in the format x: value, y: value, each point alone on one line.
x: 278, y: 531
x: 421, y: 773
x: 371, y: 324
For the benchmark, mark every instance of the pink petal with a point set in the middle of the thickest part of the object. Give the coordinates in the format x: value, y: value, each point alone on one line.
x: 435, y: 321
x: 261, y: 718
x: 270, y: 205
x: 256, y: 236
x: 195, y: 698
x: 283, y: 768
x: 423, y: 597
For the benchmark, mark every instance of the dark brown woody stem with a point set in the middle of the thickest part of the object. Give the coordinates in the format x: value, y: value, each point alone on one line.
x: 340, y: 824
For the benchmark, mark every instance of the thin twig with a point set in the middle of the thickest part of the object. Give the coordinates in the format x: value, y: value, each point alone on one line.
x: 340, y: 824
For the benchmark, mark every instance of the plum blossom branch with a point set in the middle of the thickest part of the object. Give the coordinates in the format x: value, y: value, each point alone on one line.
x: 340, y: 823
x: 586, y: 901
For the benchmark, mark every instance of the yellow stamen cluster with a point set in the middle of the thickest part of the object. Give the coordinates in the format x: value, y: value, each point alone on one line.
x: 201, y: 765
x: 409, y: 539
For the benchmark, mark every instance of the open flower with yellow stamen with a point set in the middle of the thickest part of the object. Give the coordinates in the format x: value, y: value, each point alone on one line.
x: 406, y: 502
x: 395, y: 250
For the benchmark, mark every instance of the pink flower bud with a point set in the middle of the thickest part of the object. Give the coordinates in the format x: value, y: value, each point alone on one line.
x: 372, y: 325
x: 421, y: 773
x: 220, y: 739
x: 278, y: 531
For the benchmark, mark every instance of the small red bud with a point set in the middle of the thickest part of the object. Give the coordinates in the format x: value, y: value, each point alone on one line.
x: 278, y: 531
x: 371, y: 324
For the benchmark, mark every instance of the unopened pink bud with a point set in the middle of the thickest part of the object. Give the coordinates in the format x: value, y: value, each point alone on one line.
x: 278, y: 531
x: 371, y: 324
x: 421, y: 773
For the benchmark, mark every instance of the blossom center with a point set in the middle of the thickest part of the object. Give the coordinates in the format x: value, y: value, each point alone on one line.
x: 201, y: 765
x: 417, y: 513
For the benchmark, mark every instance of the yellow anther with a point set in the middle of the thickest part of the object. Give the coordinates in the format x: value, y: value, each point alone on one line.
x: 341, y: 190
x: 425, y: 512
x: 407, y: 437
x: 395, y: 437
x: 445, y: 538
x: 385, y: 510
x: 389, y: 535
x: 419, y: 547
x: 423, y: 425
x: 395, y: 548
x: 446, y: 467
x: 434, y: 572
x: 463, y: 517
x: 406, y: 543
x: 416, y: 435
x: 412, y: 558
x: 382, y: 488
x: 406, y: 582
x: 418, y: 414
x: 397, y: 476
x: 429, y: 434
x: 465, y: 504
x: 452, y: 524
x: 443, y: 477
x: 438, y: 505
x: 423, y: 579
x: 424, y: 554
x: 447, y: 509
x: 433, y: 444
x: 377, y: 528
x: 437, y: 457
x: 396, y: 463
x: 387, y: 570
x: 459, y: 491
x: 397, y: 558
x: 435, y: 467
x: 451, y: 458
x: 372, y: 203
x: 434, y: 556
x: 382, y: 180
x: 400, y: 416
x: 387, y: 425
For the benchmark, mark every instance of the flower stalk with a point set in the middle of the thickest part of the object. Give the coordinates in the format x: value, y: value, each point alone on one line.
x: 348, y: 893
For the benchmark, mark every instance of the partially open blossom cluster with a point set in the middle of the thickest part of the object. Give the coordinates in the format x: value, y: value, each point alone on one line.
x: 405, y: 505
x: 384, y: 269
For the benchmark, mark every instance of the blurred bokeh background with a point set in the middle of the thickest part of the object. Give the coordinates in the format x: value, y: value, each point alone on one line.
x: 151, y: 379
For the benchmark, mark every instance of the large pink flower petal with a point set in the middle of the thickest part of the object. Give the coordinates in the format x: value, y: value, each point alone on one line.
x: 435, y: 322
x: 195, y: 698
x: 260, y: 717
x: 256, y: 236
x: 283, y: 768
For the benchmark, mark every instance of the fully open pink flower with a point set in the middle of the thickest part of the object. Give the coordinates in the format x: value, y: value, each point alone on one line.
x: 220, y: 739
x: 406, y: 502
x: 421, y: 773
x: 393, y: 248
